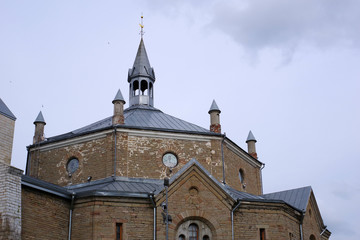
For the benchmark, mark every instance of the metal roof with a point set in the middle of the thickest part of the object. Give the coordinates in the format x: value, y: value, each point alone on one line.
x: 5, y: 111
x: 142, y: 188
x: 140, y: 117
x: 297, y: 198
x: 39, y: 118
x: 141, y: 65
x: 119, y: 97
x: 250, y: 137
x: 214, y: 107
x: 121, y: 185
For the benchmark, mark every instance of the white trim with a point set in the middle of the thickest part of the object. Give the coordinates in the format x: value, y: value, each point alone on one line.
x: 131, y: 132
x: 75, y: 140
x: 169, y: 135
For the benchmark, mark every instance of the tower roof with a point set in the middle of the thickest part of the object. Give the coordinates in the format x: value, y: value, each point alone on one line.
x: 4, y: 110
x: 214, y: 107
x: 40, y: 118
x: 250, y: 137
x: 118, y: 97
x: 141, y: 65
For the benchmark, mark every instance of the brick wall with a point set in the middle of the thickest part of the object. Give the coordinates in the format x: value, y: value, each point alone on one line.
x: 7, y: 127
x: 44, y: 216
x: 139, y: 156
x: 277, y: 221
x: 10, y: 199
x: 96, y: 218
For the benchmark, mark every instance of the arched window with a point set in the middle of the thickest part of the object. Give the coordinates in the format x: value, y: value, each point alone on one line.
x: 312, y: 237
x: 241, y: 175
x: 182, y: 237
x: 144, y: 87
x: 193, y: 232
x: 136, y: 88
x: 206, y: 237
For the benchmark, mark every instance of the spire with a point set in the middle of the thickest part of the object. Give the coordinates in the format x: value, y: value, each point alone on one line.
x: 40, y: 119
x: 214, y: 107
x: 141, y: 65
x: 141, y: 77
x: 119, y: 97
x: 118, y: 117
x: 250, y: 137
x: 251, y: 145
x: 39, y: 128
x: 215, y: 118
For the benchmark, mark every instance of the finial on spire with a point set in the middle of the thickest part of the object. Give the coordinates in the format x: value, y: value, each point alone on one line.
x: 142, y: 26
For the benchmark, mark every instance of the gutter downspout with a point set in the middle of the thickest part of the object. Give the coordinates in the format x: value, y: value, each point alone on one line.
x: 71, y: 211
x: 222, y: 157
x: 115, y: 151
x: 262, y: 188
x: 27, y: 168
x: 151, y: 196
x: 301, y: 225
x: 232, y: 218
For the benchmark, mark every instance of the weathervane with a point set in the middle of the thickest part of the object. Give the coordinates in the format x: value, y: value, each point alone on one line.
x: 142, y: 26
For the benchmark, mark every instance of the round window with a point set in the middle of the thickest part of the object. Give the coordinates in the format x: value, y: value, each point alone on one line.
x: 72, y: 165
x: 170, y: 160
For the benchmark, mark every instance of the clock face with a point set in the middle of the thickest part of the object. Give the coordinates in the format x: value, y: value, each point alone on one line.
x: 72, y: 165
x: 170, y: 160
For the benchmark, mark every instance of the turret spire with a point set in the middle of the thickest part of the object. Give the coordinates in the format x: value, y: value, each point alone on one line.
x: 141, y: 77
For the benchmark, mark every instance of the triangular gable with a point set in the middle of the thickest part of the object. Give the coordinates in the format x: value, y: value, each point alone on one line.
x: 194, y: 168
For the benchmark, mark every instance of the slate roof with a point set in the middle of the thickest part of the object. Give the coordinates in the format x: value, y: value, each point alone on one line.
x: 5, y: 111
x: 297, y: 198
x: 140, y: 117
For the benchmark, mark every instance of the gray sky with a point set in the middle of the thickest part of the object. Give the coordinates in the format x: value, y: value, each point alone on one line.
x: 287, y: 70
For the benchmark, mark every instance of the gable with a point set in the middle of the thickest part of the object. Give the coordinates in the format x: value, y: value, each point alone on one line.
x: 194, y: 185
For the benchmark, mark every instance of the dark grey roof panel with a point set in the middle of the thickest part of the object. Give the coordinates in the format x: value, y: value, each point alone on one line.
x: 297, y: 198
x: 214, y: 107
x: 250, y: 137
x: 242, y: 195
x: 140, y: 117
x: 118, y: 97
x: 45, y: 186
x: 40, y: 118
x: 4, y: 110
x: 119, y: 185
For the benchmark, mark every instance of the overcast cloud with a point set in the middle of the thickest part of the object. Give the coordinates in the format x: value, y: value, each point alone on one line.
x: 284, y: 25
x: 69, y: 58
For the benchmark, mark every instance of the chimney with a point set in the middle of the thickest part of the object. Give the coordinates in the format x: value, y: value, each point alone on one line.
x: 215, y: 118
x: 39, y: 128
x: 251, y: 145
x: 118, y: 117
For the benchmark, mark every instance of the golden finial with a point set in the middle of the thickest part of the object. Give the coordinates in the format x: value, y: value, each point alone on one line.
x: 142, y: 26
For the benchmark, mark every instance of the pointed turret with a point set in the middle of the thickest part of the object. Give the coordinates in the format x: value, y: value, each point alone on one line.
x: 251, y: 145
x: 118, y: 117
x: 141, y: 78
x: 39, y: 128
x: 215, y: 118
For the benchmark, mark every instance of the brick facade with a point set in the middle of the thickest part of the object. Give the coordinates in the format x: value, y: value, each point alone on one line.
x: 7, y: 127
x: 44, y: 216
x: 140, y: 156
x: 10, y: 199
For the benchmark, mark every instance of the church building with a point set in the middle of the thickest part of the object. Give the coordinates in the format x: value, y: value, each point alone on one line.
x: 144, y: 174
